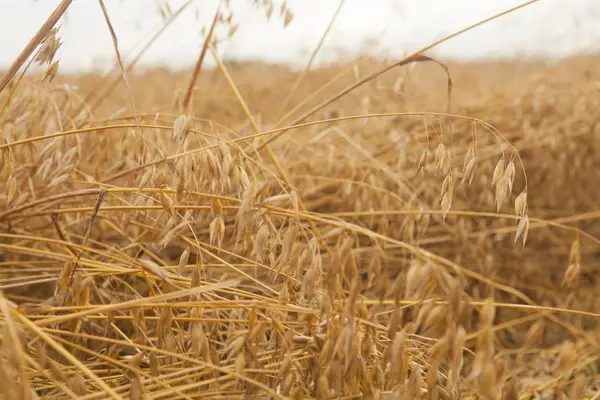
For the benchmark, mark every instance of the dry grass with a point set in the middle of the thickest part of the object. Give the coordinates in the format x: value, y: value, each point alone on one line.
x: 369, y: 252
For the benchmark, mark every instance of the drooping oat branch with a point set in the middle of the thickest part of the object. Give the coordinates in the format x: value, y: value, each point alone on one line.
x: 409, y: 60
x: 415, y: 57
x: 34, y: 42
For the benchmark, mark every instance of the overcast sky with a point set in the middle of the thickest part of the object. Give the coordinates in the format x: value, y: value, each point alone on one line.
x: 548, y: 28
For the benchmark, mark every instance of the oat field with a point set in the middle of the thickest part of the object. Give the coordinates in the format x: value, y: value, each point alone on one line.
x: 423, y: 231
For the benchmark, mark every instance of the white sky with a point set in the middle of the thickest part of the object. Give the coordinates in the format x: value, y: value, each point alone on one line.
x: 547, y: 28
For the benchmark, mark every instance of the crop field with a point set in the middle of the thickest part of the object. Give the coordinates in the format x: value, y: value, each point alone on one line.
x: 377, y: 229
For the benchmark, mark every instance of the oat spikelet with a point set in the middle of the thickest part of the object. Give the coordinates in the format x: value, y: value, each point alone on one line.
x: 154, y: 269
x: 183, y: 260
x: 154, y: 367
x: 233, y: 29
x: 509, y: 175
x: 469, y: 171
x: 534, y: 334
x: 575, y: 252
x: 468, y: 157
x: 447, y: 186
x: 181, y: 126
x: 578, y: 388
x: 440, y: 158
x: 137, y: 389
x: 501, y: 194
x: 49, y: 47
x: 50, y: 72
x: 571, y: 274
x: 216, y: 207
x: 269, y: 11
x: 446, y: 204
x: 77, y: 384
x: 167, y: 203
x: 522, y: 229
x: 288, y: 17
x: 217, y: 231
x: 568, y: 358
x: 145, y: 179
x: 521, y: 204
x: 498, y: 172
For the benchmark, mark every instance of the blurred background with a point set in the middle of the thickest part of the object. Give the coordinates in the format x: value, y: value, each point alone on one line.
x: 549, y: 28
